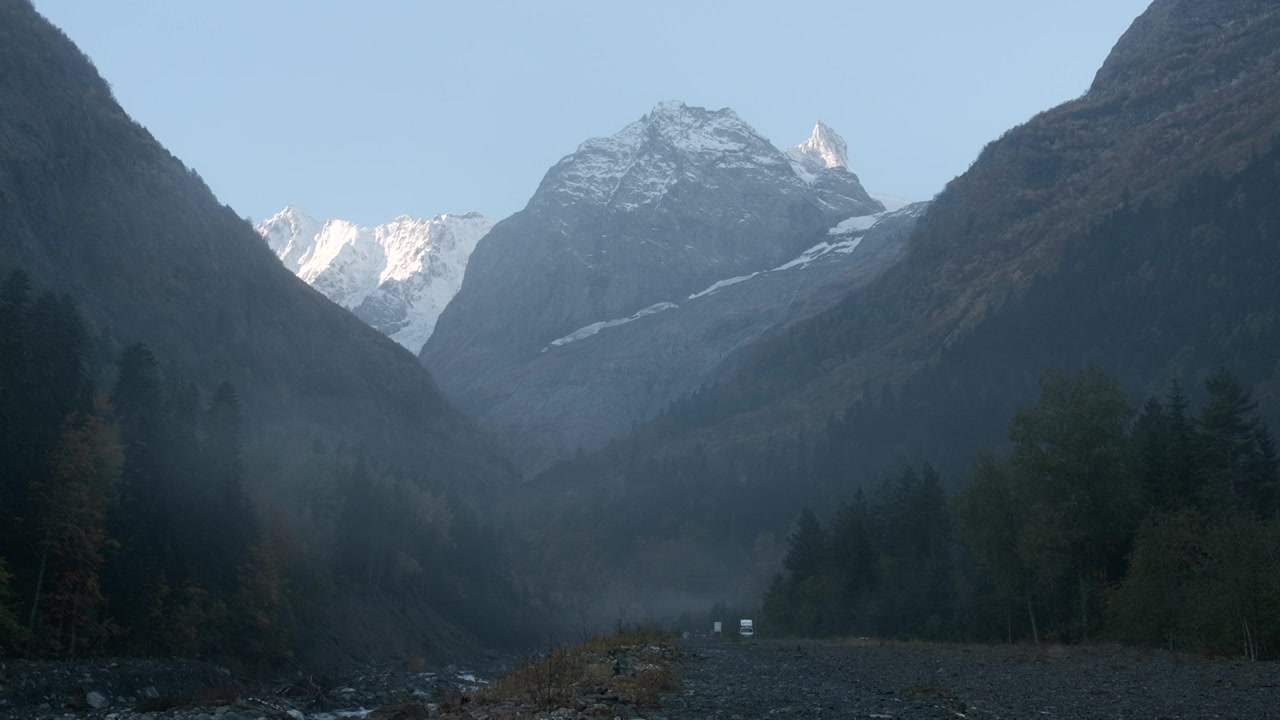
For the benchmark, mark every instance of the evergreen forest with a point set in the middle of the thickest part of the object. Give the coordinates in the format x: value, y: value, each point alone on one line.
x: 132, y: 521
x: 1155, y: 528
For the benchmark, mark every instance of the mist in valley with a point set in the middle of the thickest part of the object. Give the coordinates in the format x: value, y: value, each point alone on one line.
x: 551, y: 397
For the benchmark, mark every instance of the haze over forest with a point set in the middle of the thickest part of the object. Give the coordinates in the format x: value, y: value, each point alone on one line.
x: 382, y: 457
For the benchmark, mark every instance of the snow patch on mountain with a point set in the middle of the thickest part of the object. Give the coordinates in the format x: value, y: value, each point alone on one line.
x: 850, y: 230
x: 397, y: 277
x: 723, y: 284
x: 847, y: 235
x: 596, y: 327
x: 856, y: 224
x: 845, y: 238
x: 822, y: 249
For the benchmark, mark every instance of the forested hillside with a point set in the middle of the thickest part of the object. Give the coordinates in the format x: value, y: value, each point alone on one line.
x: 131, y: 523
x: 222, y: 427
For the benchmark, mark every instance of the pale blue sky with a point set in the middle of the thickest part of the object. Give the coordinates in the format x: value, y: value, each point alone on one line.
x: 365, y: 110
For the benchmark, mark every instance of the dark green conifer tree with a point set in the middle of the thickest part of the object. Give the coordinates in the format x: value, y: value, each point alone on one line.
x: 233, y: 527
x: 853, y: 549
x: 1262, y: 470
x: 806, y: 548
x: 1227, y: 438
x: 1183, y: 453
x: 17, y: 455
x: 1152, y: 436
x: 141, y: 574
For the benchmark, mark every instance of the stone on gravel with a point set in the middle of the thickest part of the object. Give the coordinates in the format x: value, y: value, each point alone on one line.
x: 96, y: 700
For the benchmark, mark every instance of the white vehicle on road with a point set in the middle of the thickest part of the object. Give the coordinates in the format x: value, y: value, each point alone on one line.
x: 747, y: 629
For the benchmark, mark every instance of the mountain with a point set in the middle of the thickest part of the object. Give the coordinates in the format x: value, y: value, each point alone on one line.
x: 628, y: 225
x: 1131, y: 229
x: 92, y: 206
x: 592, y: 385
x: 1156, y: 118
x: 397, y: 277
x: 822, y: 162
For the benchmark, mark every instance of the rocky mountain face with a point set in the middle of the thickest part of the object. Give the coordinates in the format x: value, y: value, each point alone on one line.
x: 1127, y: 229
x: 397, y: 277
x: 1191, y: 88
x: 621, y: 230
x: 1167, y: 40
x: 91, y: 205
x: 590, y: 386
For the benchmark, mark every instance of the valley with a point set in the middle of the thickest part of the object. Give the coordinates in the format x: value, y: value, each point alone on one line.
x: 1004, y: 451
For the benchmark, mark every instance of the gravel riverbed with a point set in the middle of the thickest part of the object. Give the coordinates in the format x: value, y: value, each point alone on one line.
x: 871, y: 680
x: 172, y: 689
x: 718, y: 681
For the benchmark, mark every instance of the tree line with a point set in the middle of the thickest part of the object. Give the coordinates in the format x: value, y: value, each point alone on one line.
x: 131, y: 521
x: 124, y: 520
x: 1157, y: 528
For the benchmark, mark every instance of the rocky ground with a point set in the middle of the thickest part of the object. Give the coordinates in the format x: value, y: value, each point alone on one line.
x: 696, y: 680
x: 148, y: 689
x: 622, y: 675
x: 873, y: 680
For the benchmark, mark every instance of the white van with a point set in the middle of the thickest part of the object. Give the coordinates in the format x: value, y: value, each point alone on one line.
x: 746, y: 629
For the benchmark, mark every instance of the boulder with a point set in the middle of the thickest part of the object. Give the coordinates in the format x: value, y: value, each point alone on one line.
x: 96, y: 700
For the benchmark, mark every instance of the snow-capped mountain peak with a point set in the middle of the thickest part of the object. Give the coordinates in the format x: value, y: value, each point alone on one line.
x: 397, y: 277
x: 286, y: 225
x: 824, y: 150
x: 826, y: 145
x: 671, y: 143
x: 822, y: 163
x: 694, y: 129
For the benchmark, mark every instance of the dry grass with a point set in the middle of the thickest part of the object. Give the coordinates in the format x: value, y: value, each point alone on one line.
x: 631, y: 665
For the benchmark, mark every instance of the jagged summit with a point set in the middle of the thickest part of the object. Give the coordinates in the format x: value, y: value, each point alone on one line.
x: 671, y: 143
x: 676, y: 108
x: 685, y: 127
x: 280, y: 229
x: 683, y: 199
x: 688, y: 126
x: 677, y: 143
x: 397, y: 277
x: 822, y: 162
x: 824, y: 149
